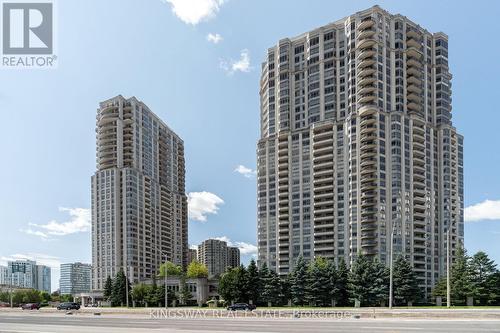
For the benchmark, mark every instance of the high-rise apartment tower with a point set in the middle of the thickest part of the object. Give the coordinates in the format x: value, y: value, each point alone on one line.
x: 357, y: 142
x: 139, y: 206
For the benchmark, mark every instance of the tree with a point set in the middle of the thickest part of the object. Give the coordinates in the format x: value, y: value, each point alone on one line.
x: 108, y: 288
x: 172, y: 269
x: 461, y: 281
x: 271, y: 288
x: 139, y: 292
x: 227, y: 285
x: 405, y: 282
x: 197, y: 270
x: 493, y: 282
x: 481, y: 268
x: 299, y: 281
x: 286, y: 294
x: 254, y: 283
x: 341, y: 284
x: 368, y: 281
x: 318, y: 283
x: 241, y: 284
x: 153, y: 295
x: 119, y: 290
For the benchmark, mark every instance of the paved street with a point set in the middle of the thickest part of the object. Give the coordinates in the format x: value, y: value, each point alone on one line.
x: 33, y: 322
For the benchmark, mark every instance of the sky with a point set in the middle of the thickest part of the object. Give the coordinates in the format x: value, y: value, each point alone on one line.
x: 196, y: 64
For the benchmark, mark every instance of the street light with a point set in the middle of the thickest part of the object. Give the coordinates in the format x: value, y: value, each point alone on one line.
x: 391, y: 267
x: 448, y: 286
x: 166, y: 274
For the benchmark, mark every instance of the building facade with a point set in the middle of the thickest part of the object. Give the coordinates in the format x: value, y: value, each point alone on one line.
x: 192, y: 255
x: 233, y: 256
x: 357, y: 142
x: 27, y: 274
x: 43, y: 278
x: 23, y: 273
x: 75, y: 278
x: 217, y: 256
x: 4, y: 275
x: 139, y: 206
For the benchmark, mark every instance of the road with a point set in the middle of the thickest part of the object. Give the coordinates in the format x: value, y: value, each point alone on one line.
x: 33, y: 322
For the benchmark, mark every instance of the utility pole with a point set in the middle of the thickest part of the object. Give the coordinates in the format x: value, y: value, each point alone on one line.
x: 11, y: 290
x: 448, y: 269
x: 126, y: 284
x: 391, y: 253
x: 166, y: 279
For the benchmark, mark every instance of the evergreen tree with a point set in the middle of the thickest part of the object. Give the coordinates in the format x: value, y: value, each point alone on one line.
x: 153, y: 295
x: 241, y: 284
x: 318, y: 283
x: 227, y: 285
x: 482, y: 268
x: 119, y: 290
x: 461, y: 281
x: 332, y: 290
x: 493, y: 282
x: 299, y: 282
x: 286, y: 295
x: 342, y: 280
x: 368, y: 281
x: 108, y: 288
x: 271, y: 288
x: 185, y: 294
x: 254, y: 283
x: 405, y: 283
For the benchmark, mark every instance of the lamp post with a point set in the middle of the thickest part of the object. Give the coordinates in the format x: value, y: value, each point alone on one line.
x: 391, y: 268
x: 166, y: 274
x: 448, y: 269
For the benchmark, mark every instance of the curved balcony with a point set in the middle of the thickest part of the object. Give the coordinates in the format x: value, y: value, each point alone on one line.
x: 413, y: 88
x: 367, y: 98
x: 414, y: 52
x: 412, y: 42
x: 366, y: 43
x: 366, y: 62
x: 367, y: 80
x: 366, y: 53
x: 366, y: 33
x: 366, y: 23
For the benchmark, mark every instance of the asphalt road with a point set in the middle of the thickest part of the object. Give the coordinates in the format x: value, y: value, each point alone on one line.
x: 32, y: 322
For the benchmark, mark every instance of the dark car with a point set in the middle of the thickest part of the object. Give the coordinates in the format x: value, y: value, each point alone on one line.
x: 241, y: 306
x: 31, y: 306
x: 68, y: 306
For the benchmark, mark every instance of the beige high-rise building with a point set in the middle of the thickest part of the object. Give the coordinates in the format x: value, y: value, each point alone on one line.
x: 357, y: 141
x: 217, y: 256
x: 139, y: 206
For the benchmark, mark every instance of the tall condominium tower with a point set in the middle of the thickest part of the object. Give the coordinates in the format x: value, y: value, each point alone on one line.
x: 139, y: 207
x: 217, y: 256
x: 357, y: 142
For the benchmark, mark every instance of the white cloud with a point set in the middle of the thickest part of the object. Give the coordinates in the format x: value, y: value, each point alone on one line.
x: 79, y: 221
x: 247, y: 172
x: 486, y: 210
x: 242, y: 65
x: 200, y: 204
x: 193, y: 247
x: 40, y: 258
x: 245, y: 248
x: 195, y: 11
x: 214, y: 38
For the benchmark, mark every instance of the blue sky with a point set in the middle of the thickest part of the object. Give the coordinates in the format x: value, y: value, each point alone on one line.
x: 206, y: 89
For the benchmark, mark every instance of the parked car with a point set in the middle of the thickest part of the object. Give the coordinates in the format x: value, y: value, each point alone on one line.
x: 31, y: 306
x: 241, y: 306
x: 68, y: 306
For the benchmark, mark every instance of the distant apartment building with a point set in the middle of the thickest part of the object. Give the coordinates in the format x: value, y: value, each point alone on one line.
x: 139, y: 205
x: 43, y: 278
x: 75, y: 278
x: 357, y: 143
x: 4, y: 275
x: 217, y: 256
x: 233, y: 256
x: 192, y: 255
x: 27, y: 274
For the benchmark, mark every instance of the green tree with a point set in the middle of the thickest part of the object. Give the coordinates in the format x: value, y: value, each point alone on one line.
x: 461, y: 281
x: 299, y: 282
x: 139, y: 292
x: 271, y: 288
x: 172, y: 269
x: 197, y: 270
x: 481, y: 268
x: 318, y: 283
x: 286, y: 294
x: 254, y: 283
x: 405, y: 283
x: 227, y: 285
x: 368, y: 281
x: 153, y: 295
x: 108, y: 288
x: 493, y: 282
x: 241, y: 284
x: 341, y: 284
x: 119, y: 290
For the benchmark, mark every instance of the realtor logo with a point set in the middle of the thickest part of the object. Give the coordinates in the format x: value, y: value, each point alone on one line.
x: 28, y: 34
